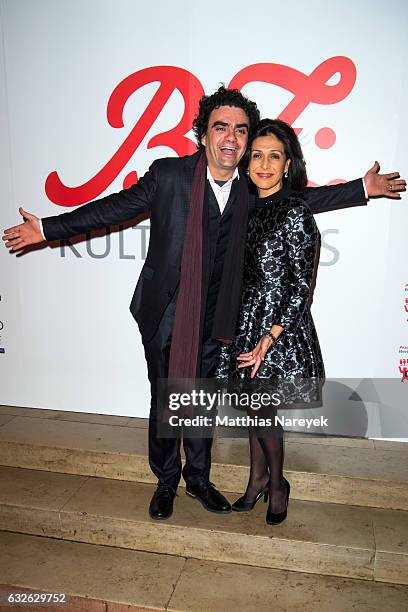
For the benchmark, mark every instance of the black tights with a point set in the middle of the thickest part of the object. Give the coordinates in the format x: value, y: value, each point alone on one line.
x: 267, y: 455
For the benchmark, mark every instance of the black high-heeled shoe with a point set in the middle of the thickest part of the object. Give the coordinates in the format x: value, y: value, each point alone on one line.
x: 274, y: 518
x: 242, y: 505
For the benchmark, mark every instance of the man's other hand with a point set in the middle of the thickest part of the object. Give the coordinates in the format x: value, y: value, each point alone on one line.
x: 380, y: 185
x: 26, y: 233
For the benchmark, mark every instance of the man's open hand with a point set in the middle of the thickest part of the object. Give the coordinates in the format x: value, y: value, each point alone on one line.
x: 381, y: 185
x: 26, y: 233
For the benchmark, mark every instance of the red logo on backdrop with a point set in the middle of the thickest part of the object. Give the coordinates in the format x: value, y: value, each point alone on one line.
x: 306, y: 89
x: 406, y: 299
x: 403, y: 368
x: 403, y: 362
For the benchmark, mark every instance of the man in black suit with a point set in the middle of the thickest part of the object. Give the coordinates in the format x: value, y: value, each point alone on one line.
x: 165, y: 293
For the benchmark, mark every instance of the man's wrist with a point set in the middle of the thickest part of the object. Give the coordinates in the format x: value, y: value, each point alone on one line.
x: 41, y: 228
x: 365, y: 189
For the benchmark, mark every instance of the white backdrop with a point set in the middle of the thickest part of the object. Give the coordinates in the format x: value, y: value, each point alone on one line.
x: 67, y: 339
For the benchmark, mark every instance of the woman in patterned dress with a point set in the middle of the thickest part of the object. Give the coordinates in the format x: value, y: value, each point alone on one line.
x: 276, y: 345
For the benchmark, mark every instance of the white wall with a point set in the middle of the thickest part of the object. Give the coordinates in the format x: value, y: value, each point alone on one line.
x: 70, y: 342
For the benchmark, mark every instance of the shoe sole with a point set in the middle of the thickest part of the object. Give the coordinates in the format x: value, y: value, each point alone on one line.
x: 160, y: 518
x: 276, y: 523
x: 205, y: 507
x: 236, y: 510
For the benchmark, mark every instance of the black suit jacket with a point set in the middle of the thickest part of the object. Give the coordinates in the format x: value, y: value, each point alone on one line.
x: 164, y: 192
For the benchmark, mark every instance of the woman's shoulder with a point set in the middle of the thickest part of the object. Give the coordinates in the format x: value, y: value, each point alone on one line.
x: 295, y: 206
x: 298, y: 216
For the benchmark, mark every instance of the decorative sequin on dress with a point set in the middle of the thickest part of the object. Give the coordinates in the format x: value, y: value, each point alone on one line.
x: 280, y: 259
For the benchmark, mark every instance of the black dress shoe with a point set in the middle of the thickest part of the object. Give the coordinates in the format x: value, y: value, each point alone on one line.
x: 243, y: 505
x: 209, y: 497
x: 274, y: 518
x: 161, y: 505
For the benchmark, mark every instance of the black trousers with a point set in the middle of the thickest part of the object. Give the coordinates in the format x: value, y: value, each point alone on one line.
x: 164, y: 453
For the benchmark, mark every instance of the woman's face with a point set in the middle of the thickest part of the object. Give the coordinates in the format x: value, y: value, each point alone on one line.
x: 267, y: 164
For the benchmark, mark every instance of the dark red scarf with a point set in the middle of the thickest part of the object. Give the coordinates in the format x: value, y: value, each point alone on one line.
x: 186, y: 342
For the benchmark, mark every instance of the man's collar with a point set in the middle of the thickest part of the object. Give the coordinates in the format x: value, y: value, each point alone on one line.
x: 212, y: 180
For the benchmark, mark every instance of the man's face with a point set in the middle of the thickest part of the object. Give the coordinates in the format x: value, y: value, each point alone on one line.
x: 225, y: 140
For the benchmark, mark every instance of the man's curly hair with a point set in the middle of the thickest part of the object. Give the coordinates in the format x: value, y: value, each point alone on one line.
x: 223, y: 97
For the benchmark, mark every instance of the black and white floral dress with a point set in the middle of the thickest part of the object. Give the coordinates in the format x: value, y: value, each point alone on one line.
x: 280, y: 258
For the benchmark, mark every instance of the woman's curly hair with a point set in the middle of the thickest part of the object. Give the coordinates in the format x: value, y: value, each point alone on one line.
x: 223, y: 97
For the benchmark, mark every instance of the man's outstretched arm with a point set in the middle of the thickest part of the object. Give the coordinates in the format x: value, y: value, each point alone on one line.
x: 334, y: 197
x: 111, y: 210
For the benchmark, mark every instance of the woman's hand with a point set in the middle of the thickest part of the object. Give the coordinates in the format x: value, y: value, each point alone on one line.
x: 256, y: 356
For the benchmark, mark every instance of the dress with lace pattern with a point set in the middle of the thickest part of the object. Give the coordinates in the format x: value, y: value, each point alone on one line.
x: 280, y: 257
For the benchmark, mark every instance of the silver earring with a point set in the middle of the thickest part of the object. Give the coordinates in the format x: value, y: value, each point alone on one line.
x: 286, y: 174
x: 247, y: 172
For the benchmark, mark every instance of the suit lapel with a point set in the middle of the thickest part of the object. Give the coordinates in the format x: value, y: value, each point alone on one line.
x: 232, y: 196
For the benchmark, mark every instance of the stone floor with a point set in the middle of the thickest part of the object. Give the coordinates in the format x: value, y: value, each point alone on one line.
x: 74, y: 491
x: 164, y: 582
x: 337, y: 470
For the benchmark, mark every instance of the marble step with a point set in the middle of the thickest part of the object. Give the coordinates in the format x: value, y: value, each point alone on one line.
x: 337, y: 470
x: 105, y: 579
x: 331, y: 539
